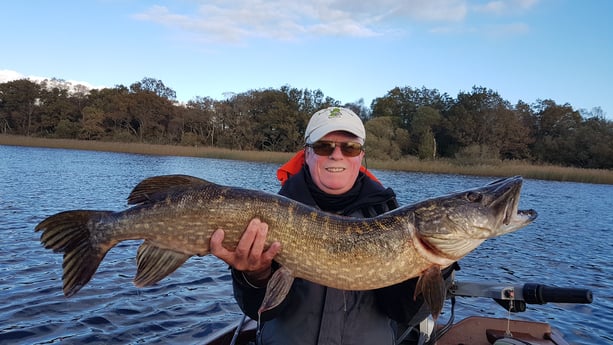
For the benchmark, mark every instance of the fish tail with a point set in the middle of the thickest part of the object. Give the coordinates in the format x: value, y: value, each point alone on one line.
x: 71, y: 233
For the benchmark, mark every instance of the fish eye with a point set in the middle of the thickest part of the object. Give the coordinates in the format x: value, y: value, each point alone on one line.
x: 474, y: 197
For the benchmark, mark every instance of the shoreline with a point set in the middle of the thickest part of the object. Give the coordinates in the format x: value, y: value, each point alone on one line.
x: 443, y: 166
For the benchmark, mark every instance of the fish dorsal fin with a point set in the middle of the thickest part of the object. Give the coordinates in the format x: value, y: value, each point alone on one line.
x: 155, y: 263
x: 157, y: 187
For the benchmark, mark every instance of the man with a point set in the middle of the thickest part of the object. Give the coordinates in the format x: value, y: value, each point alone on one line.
x: 328, y: 175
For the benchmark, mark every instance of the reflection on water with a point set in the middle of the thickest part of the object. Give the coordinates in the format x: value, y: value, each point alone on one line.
x: 570, y: 245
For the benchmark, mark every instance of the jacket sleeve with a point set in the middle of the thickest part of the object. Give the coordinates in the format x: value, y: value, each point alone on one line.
x: 248, y: 298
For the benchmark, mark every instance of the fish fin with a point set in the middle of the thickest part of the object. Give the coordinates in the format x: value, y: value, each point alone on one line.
x: 157, y: 187
x: 155, y: 263
x: 277, y: 288
x: 432, y: 286
x: 69, y: 233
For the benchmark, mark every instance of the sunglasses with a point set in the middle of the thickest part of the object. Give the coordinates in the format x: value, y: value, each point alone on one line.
x: 325, y: 148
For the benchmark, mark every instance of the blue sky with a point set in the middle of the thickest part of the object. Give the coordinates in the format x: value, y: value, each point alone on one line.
x: 523, y: 49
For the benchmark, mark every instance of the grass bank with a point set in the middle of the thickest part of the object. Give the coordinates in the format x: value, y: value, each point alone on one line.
x: 443, y: 166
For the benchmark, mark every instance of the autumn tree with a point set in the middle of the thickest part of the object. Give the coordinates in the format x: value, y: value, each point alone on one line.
x: 155, y: 86
x: 556, y: 132
x: 385, y: 138
x: 405, y: 121
x: 59, y: 116
x: 593, y: 144
x: 112, y: 104
x: 483, y: 119
x: 405, y: 104
x: 201, y: 123
x: 236, y: 123
x: 151, y: 109
x: 18, y: 104
x: 92, y: 127
x: 275, y: 120
x: 424, y: 124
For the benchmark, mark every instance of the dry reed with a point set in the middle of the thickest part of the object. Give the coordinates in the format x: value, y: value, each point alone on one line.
x: 442, y: 166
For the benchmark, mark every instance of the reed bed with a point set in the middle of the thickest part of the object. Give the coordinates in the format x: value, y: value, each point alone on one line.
x: 441, y: 166
x: 146, y: 149
x: 499, y: 169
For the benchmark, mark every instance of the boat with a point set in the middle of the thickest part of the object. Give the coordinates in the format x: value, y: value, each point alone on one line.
x: 473, y: 330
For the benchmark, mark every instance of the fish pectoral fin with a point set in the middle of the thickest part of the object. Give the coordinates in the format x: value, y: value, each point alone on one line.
x: 277, y: 288
x: 157, y: 187
x: 432, y: 286
x: 155, y: 263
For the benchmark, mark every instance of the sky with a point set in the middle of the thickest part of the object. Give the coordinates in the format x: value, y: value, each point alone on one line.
x: 525, y: 50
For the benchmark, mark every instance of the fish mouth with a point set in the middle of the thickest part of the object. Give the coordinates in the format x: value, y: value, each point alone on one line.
x: 518, y: 219
x: 469, y: 218
x: 502, y: 197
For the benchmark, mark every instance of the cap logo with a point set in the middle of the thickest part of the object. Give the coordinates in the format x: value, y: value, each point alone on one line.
x: 336, y: 112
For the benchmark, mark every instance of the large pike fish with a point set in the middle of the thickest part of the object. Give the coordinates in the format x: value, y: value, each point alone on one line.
x: 177, y: 214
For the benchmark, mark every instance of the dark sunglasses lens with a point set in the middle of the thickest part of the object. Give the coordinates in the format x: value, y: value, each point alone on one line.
x: 351, y: 149
x: 325, y: 148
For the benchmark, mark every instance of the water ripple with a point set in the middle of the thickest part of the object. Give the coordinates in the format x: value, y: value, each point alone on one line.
x: 569, y: 245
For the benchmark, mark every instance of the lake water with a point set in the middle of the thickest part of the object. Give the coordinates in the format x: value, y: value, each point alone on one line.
x: 569, y: 245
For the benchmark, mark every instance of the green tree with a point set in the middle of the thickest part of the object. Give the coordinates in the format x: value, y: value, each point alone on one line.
x: 404, y: 103
x: 114, y: 103
x: 556, y: 132
x: 155, y: 86
x: 482, y: 118
x: 385, y: 139
x: 236, y: 123
x: 18, y: 104
x: 594, y: 144
x: 274, y: 120
x: 150, y: 115
x: 66, y: 129
x: 201, y: 120
x: 424, y: 123
x: 427, y: 145
x: 56, y: 106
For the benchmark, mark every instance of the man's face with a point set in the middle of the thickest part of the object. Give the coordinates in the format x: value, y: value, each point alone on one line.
x: 335, y: 173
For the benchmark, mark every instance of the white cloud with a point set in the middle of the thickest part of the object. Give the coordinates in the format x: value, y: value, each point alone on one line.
x: 433, y: 10
x: 509, y: 29
x: 238, y: 21
x: 9, y: 75
x: 526, y: 4
x: 235, y: 21
x: 504, y: 7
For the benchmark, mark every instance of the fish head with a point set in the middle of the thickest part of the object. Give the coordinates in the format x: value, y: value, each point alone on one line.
x: 451, y: 226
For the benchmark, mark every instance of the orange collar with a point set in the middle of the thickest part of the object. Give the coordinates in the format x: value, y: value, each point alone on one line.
x: 294, y: 165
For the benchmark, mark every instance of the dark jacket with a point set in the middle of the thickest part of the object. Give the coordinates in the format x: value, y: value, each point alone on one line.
x: 314, y: 314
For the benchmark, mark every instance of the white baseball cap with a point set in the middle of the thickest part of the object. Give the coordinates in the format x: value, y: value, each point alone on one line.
x: 333, y: 119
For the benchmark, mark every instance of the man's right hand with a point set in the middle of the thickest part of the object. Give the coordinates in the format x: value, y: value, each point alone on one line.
x: 250, y: 256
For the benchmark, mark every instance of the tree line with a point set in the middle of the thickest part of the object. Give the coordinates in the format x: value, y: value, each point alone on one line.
x: 477, y: 125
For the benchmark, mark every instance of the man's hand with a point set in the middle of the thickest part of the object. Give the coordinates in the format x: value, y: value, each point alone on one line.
x: 250, y: 256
